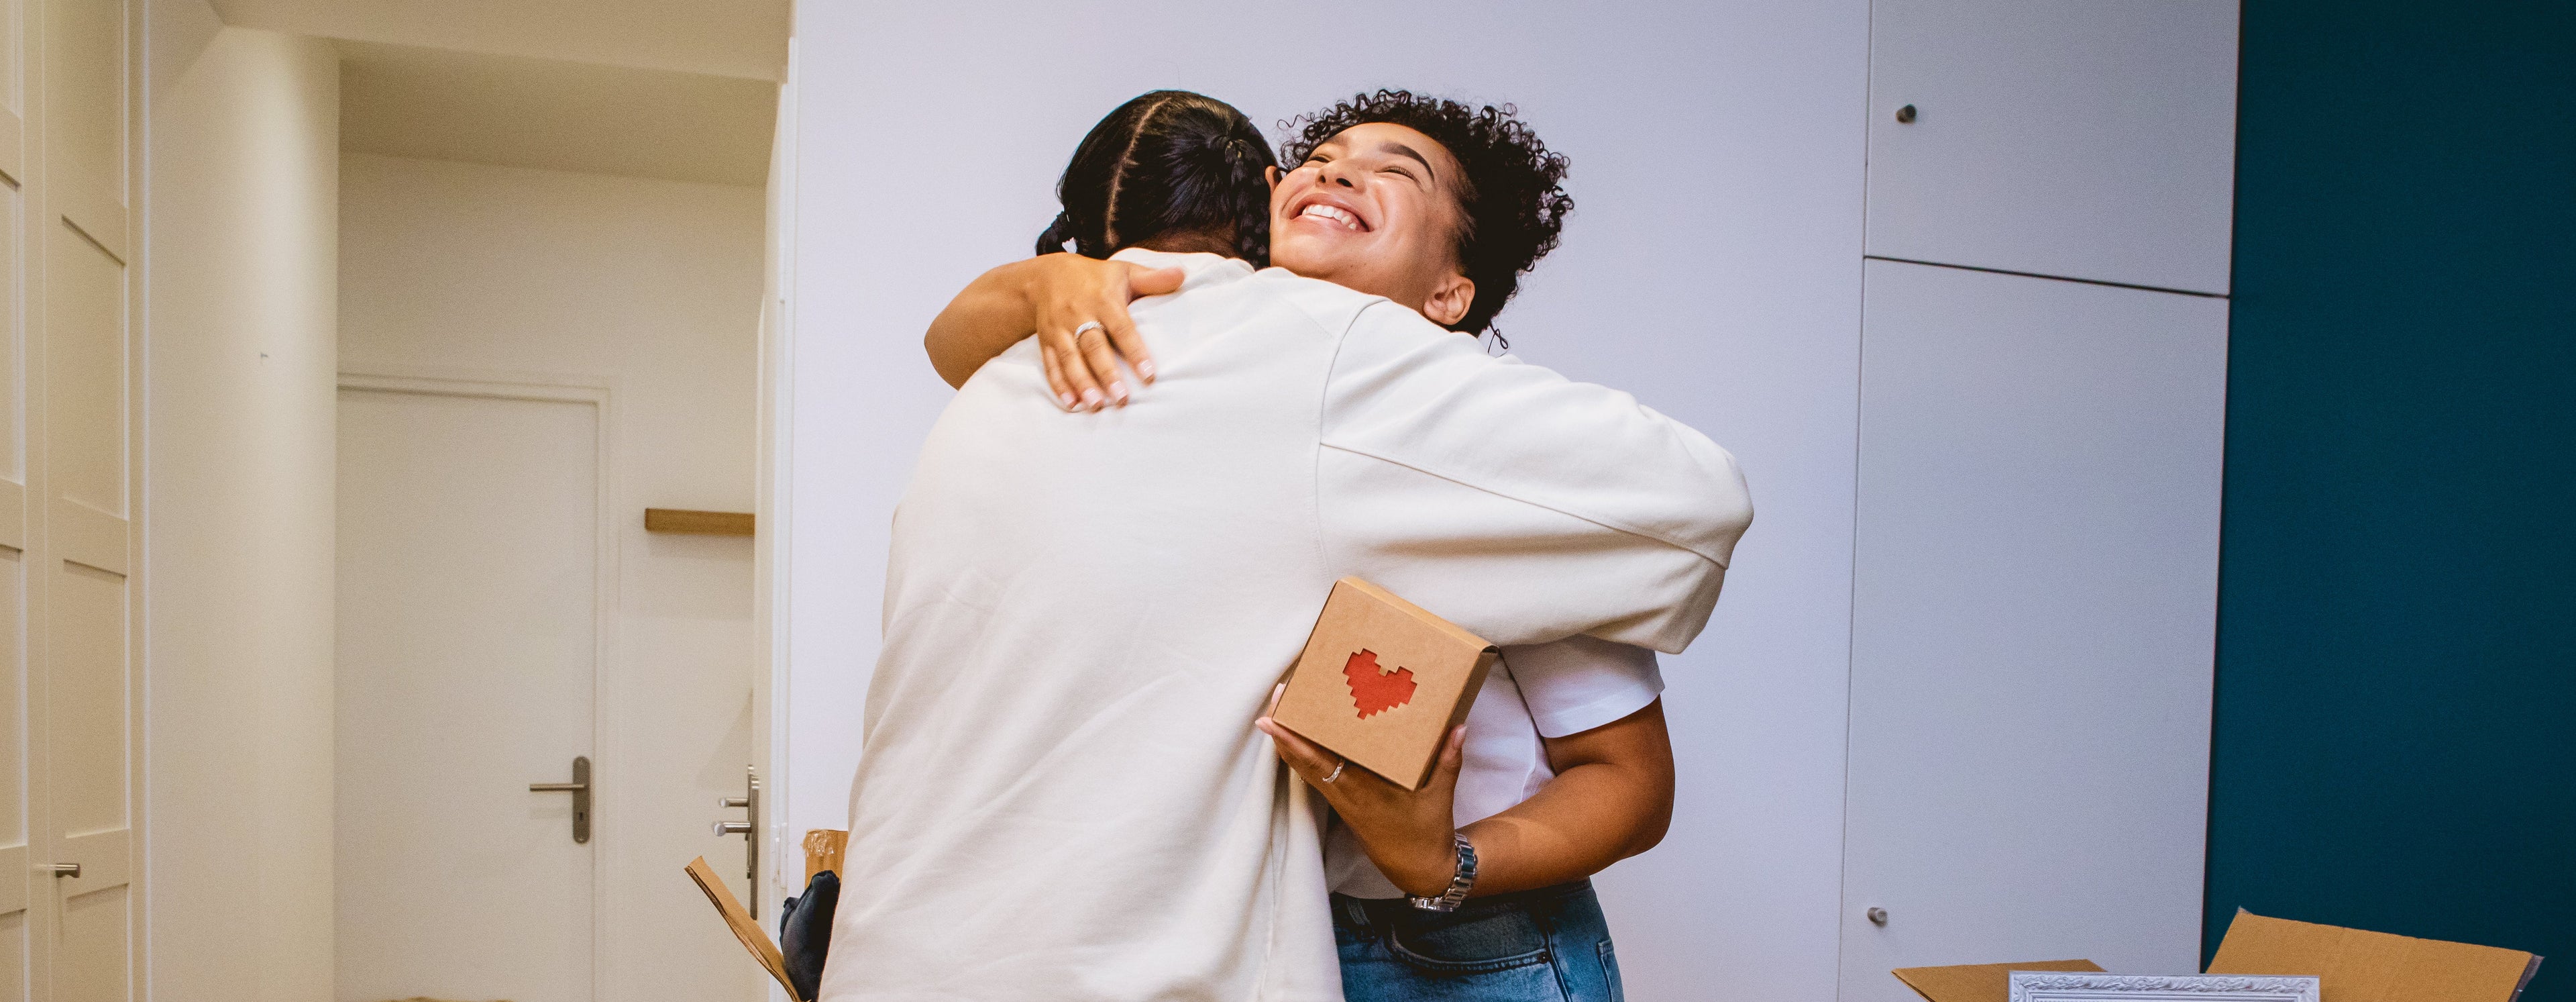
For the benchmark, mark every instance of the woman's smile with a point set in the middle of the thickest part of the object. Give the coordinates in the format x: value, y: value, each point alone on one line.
x: 1323, y: 208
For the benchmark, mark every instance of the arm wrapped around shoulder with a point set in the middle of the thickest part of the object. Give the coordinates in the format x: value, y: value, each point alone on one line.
x: 1516, y: 502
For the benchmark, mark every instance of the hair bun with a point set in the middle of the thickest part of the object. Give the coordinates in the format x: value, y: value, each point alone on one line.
x: 1056, y: 235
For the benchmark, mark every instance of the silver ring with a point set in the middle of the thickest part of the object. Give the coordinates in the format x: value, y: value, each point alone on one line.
x: 1087, y: 327
x: 1337, y: 771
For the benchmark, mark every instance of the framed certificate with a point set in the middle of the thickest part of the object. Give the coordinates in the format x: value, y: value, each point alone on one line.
x: 2080, y: 986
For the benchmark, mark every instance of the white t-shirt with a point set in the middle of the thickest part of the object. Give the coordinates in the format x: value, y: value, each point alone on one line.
x: 1060, y: 795
x: 1540, y: 691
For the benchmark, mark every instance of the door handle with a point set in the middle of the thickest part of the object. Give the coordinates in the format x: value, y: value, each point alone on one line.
x: 580, y: 790
x: 748, y: 828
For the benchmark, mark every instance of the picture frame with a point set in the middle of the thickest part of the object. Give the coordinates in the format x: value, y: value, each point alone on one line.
x: 2086, y: 986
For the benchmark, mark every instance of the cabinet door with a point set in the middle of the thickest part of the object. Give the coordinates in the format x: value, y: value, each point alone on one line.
x: 82, y: 698
x: 2091, y: 139
x: 2034, y: 603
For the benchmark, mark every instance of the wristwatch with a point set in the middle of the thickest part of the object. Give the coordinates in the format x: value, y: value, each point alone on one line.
x: 1465, y: 878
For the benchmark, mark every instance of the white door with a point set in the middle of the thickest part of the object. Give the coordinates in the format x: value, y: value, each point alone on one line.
x: 469, y: 649
x: 646, y: 291
x: 2034, y: 607
x: 80, y: 616
x: 2076, y: 138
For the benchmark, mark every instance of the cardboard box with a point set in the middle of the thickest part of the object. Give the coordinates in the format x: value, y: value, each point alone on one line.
x: 1382, y: 681
x: 753, y: 937
x: 824, y: 848
x: 2356, y: 966
x: 1977, y: 982
x: 2349, y: 964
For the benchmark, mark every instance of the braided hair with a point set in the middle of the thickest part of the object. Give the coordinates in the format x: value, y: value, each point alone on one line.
x: 1168, y: 162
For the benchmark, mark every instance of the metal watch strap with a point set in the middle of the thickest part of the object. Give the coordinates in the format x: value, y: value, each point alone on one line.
x: 1465, y: 878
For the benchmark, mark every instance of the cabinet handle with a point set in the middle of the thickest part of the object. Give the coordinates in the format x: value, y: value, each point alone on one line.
x: 1905, y: 115
x: 71, y: 870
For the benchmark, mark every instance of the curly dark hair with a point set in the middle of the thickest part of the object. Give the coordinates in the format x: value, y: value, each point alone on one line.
x: 1512, y: 200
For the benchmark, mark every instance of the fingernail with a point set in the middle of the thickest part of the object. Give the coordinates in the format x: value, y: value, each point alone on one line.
x: 1118, y: 391
x: 1091, y: 400
x: 1069, y: 402
x: 1146, y: 369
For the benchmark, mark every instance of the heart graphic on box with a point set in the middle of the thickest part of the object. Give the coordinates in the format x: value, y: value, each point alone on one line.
x: 1375, y: 690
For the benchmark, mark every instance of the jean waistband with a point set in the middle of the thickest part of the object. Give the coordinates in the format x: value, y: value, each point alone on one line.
x: 1365, y: 914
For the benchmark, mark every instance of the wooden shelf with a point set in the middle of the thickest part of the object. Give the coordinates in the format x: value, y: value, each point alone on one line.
x: 697, y: 523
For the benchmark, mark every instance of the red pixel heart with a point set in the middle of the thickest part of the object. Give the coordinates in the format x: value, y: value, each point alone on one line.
x: 1375, y: 690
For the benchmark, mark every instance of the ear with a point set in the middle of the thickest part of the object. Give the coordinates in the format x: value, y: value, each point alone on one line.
x: 1450, y: 300
x: 1273, y: 174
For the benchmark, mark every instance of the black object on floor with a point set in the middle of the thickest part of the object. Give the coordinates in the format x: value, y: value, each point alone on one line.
x: 805, y: 931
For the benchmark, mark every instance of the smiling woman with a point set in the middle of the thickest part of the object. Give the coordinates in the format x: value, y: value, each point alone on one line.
x: 1505, y: 200
x: 1371, y: 210
x: 1475, y: 884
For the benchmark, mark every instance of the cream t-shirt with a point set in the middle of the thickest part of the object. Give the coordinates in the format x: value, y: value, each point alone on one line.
x: 1060, y: 795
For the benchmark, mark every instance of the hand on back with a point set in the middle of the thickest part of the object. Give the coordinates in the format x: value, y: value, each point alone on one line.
x: 1074, y: 295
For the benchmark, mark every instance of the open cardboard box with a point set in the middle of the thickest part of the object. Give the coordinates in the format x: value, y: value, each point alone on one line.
x: 745, y: 928
x: 2356, y: 966
x: 2351, y: 966
x: 1977, y: 982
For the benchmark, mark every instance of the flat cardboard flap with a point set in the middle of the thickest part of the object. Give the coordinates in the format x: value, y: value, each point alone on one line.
x: 753, y: 937
x: 1977, y: 982
x: 2352, y: 965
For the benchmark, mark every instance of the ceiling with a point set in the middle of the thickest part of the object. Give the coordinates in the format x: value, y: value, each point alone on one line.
x: 555, y: 114
x: 680, y: 89
x: 729, y: 38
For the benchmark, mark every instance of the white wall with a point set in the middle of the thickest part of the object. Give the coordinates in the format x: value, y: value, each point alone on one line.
x: 653, y: 288
x: 1712, y: 266
x: 243, y: 227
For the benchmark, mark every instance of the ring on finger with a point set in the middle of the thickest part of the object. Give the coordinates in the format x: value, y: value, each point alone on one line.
x: 1087, y: 327
x: 1337, y: 770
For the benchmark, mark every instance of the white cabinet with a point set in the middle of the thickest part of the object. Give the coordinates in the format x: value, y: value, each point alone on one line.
x: 2034, y: 604
x: 2089, y: 139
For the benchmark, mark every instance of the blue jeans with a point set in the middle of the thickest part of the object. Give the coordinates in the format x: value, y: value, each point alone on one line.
x: 1550, y: 943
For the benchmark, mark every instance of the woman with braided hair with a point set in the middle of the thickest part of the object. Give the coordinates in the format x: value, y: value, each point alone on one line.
x: 1059, y: 798
x: 1167, y: 171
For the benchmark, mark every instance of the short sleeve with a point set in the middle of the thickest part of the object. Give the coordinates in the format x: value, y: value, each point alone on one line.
x: 1579, y: 683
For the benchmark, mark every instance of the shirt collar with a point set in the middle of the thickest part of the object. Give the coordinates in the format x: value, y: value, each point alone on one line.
x: 1197, y: 268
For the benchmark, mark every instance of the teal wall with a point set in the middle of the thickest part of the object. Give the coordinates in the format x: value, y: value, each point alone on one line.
x: 2396, y: 714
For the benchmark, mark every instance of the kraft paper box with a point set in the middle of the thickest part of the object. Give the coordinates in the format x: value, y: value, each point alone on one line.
x: 1977, y: 982
x: 1382, y: 681
x: 745, y: 928
x: 2356, y: 966
x: 2350, y: 965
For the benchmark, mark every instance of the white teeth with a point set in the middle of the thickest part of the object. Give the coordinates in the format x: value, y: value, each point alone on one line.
x: 1322, y: 211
